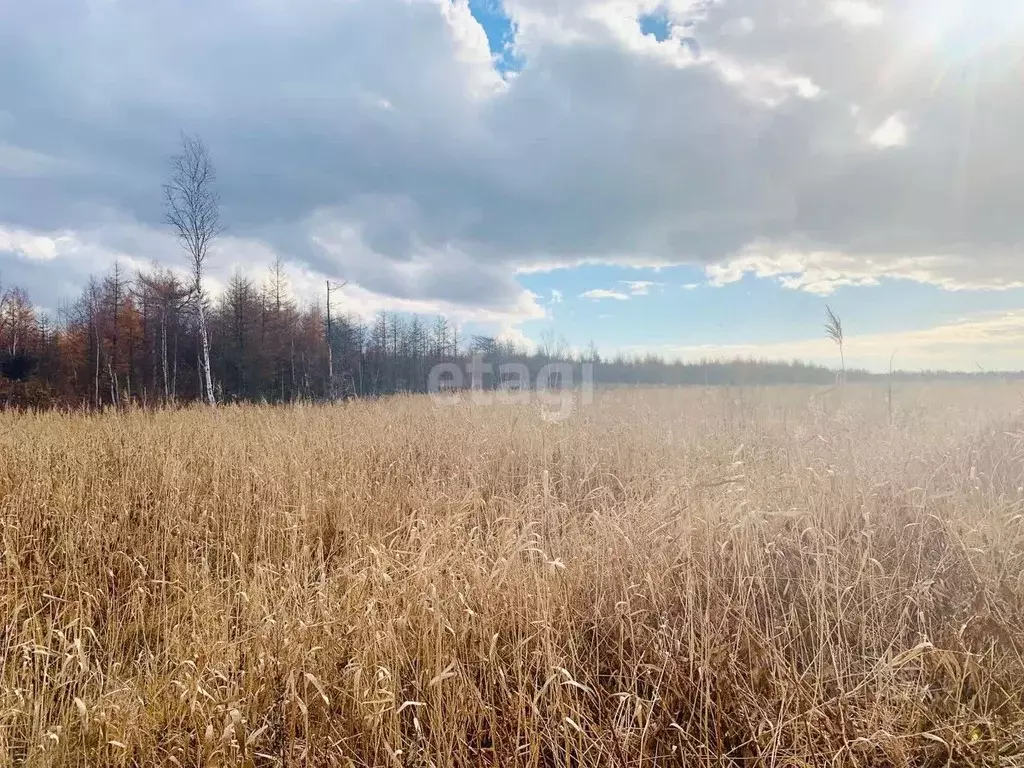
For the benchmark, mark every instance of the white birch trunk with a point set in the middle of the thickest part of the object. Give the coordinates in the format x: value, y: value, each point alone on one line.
x: 205, y: 340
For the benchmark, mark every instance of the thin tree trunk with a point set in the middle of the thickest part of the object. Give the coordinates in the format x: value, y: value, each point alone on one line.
x: 96, y: 378
x: 174, y: 370
x: 205, y: 339
x: 113, y: 385
x: 163, y: 342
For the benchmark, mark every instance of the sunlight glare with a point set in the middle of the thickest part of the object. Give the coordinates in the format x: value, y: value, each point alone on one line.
x: 962, y: 30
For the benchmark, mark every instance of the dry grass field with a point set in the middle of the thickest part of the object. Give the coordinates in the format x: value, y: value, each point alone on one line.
x: 694, y: 578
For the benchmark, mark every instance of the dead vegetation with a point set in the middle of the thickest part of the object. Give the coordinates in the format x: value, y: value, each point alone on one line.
x: 695, y: 578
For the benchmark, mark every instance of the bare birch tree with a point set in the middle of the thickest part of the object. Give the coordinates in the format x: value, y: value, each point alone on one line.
x: 192, y: 208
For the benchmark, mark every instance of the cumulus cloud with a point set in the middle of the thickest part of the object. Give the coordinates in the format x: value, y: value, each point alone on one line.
x: 873, y: 141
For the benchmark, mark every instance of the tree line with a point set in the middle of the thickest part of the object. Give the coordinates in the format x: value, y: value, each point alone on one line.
x: 145, y: 338
x: 142, y: 339
x: 159, y: 338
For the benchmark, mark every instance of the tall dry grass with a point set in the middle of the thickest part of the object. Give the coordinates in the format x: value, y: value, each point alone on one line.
x: 697, y: 578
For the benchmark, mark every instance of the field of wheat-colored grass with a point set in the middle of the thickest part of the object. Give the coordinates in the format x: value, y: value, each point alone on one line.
x: 695, y: 578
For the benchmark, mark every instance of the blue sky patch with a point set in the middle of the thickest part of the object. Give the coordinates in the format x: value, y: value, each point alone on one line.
x: 677, y: 306
x: 657, y: 25
x: 500, y: 31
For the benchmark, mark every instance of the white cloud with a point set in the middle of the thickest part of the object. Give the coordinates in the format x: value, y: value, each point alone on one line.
x: 471, y: 48
x: 639, y: 287
x: 545, y: 264
x: 31, y: 246
x: 598, y: 294
x: 891, y: 133
x: 366, y: 304
x: 556, y: 296
x: 514, y: 335
x: 822, y: 272
x: 768, y: 85
x: 73, y: 256
x: 858, y: 12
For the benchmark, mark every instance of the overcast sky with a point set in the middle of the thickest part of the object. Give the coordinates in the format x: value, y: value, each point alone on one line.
x: 693, y: 178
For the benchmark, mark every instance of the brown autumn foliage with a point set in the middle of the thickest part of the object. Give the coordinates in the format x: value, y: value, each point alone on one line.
x: 671, y: 577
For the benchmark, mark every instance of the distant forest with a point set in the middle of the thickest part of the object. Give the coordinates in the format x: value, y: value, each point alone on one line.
x: 135, y: 340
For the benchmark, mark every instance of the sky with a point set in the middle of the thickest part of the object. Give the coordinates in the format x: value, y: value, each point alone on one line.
x: 693, y: 178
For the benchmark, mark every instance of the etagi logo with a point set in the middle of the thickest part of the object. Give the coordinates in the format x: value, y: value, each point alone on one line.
x: 555, y: 388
